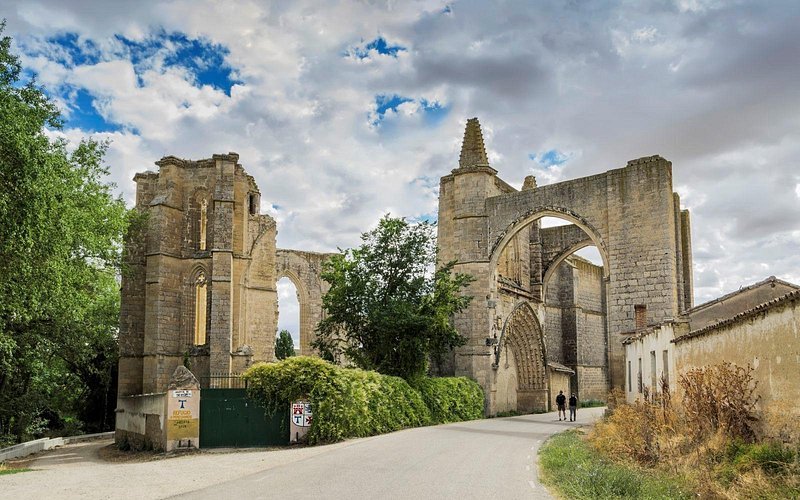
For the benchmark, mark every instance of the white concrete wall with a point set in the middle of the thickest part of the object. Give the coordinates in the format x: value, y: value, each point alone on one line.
x: 657, y: 339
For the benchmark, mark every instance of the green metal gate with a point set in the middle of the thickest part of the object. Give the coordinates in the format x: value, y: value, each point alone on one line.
x: 228, y: 418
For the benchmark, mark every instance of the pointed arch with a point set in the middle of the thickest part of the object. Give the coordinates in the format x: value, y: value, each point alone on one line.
x: 522, y: 333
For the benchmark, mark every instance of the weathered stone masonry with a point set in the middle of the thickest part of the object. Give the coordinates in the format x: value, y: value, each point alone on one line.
x: 630, y: 214
x: 200, y: 278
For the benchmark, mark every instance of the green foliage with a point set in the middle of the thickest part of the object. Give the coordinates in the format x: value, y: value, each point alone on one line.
x: 8, y: 470
x: 350, y: 402
x: 771, y: 457
x: 592, y: 403
x: 572, y: 468
x: 284, y: 345
x: 60, y: 238
x: 386, y: 309
x: 451, y: 399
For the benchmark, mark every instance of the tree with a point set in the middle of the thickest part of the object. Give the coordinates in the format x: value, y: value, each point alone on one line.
x: 284, y: 345
x: 387, y: 308
x: 60, y: 238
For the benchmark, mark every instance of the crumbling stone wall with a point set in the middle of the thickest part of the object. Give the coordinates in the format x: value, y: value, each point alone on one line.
x: 203, y: 224
x: 630, y: 214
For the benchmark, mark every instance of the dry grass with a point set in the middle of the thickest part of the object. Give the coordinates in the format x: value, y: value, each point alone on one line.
x: 712, y: 438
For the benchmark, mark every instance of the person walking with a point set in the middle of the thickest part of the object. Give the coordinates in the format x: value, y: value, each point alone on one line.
x: 573, y: 407
x: 561, y: 403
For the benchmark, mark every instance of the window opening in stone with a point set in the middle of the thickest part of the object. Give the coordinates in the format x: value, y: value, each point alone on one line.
x: 203, y: 223
x: 200, y: 307
x: 289, y: 310
x: 251, y: 201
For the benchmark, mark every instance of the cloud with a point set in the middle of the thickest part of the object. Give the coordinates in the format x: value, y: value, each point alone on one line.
x: 343, y: 111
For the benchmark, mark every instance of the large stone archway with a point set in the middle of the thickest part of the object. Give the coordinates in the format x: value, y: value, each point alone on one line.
x: 630, y: 214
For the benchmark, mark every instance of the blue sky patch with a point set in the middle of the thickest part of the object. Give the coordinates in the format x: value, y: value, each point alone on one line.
x: 379, y: 45
x: 384, y: 103
x: 430, y: 218
x: 202, y: 59
x: 84, y: 115
x: 551, y: 158
x: 70, y: 50
x: 434, y: 111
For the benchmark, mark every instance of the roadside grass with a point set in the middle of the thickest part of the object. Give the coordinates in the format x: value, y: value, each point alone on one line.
x: 573, y: 469
x: 4, y: 470
x: 592, y: 403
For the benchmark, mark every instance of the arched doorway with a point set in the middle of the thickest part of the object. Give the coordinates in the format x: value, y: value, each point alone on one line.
x: 519, y: 361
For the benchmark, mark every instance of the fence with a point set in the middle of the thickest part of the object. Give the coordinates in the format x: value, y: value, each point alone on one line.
x: 223, y: 381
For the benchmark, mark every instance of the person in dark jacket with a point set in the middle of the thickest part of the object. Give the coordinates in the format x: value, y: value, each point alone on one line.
x: 561, y: 402
x: 573, y: 407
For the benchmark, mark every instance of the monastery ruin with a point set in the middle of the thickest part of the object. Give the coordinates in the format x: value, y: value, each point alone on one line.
x: 200, y: 287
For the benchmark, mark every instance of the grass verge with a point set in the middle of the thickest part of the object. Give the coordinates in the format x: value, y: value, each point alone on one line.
x: 8, y: 470
x: 574, y: 470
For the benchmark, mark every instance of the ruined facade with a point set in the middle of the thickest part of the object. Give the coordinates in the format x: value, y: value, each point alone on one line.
x: 531, y: 314
x: 200, y: 277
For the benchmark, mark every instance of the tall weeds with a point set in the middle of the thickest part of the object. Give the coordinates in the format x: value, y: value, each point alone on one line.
x: 711, y: 434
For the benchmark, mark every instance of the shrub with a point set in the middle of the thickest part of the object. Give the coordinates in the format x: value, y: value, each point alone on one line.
x: 720, y: 397
x: 451, y: 399
x: 350, y: 402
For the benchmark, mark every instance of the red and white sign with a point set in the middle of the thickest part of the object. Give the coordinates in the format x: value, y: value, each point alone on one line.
x: 301, y: 414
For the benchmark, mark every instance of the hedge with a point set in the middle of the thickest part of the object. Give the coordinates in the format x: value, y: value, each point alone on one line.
x: 349, y: 402
x: 451, y: 399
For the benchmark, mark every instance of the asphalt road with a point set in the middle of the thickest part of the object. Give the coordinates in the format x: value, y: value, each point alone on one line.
x: 494, y: 458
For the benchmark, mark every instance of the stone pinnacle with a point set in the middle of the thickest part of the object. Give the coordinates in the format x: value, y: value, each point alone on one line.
x: 473, y: 152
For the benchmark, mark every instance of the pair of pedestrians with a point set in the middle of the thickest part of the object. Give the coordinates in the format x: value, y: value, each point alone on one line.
x: 561, y: 400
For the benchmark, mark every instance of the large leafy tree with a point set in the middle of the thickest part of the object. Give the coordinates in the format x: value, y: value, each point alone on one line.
x: 60, y: 240
x: 284, y: 345
x: 388, y: 308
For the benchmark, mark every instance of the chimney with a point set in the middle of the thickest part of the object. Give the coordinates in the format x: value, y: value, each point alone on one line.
x: 640, y: 313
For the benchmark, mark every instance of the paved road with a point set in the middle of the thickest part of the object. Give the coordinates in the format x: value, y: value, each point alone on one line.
x: 492, y: 458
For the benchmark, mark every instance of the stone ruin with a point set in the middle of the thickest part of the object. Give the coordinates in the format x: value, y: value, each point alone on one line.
x: 201, y: 274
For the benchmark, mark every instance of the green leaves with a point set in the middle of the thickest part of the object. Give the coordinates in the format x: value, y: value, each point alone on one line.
x: 284, y: 345
x: 356, y: 403
x: 387, y: 308
x: 60, y: 238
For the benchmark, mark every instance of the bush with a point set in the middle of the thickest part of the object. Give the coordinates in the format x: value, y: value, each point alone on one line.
x: 720, y: 397
x: 451, y: 399
x: 350, y: 402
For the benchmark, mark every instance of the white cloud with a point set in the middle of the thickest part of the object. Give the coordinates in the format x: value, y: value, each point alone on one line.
x: 607, y: 83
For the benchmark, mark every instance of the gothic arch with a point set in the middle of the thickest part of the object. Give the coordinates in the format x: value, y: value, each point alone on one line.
x: 553, y: 265
x: 532, y: 215
x: 523, y: 336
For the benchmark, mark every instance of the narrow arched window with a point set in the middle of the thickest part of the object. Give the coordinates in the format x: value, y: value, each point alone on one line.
x: 200, y: 303
x: 203, y: 223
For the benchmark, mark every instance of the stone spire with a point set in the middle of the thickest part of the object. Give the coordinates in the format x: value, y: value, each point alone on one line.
x: 473, y: 152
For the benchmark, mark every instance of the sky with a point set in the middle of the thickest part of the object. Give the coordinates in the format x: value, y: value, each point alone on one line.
x: 344, y: 111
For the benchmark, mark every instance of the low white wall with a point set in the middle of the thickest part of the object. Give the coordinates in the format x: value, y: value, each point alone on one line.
x: 37, y: 445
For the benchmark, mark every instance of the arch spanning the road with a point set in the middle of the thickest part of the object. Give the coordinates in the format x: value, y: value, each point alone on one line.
x: 630, y: 214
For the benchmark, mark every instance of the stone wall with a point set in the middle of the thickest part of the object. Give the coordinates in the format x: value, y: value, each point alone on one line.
x: 765, y: 337
x: 140, y: 421
x: 202, y: 221
x: 630, y: 214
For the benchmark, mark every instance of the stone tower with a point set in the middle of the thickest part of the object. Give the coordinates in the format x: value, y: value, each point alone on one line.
x: 199, y: 284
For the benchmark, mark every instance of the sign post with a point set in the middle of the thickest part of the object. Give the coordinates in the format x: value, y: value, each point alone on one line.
x: 300, y: 418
